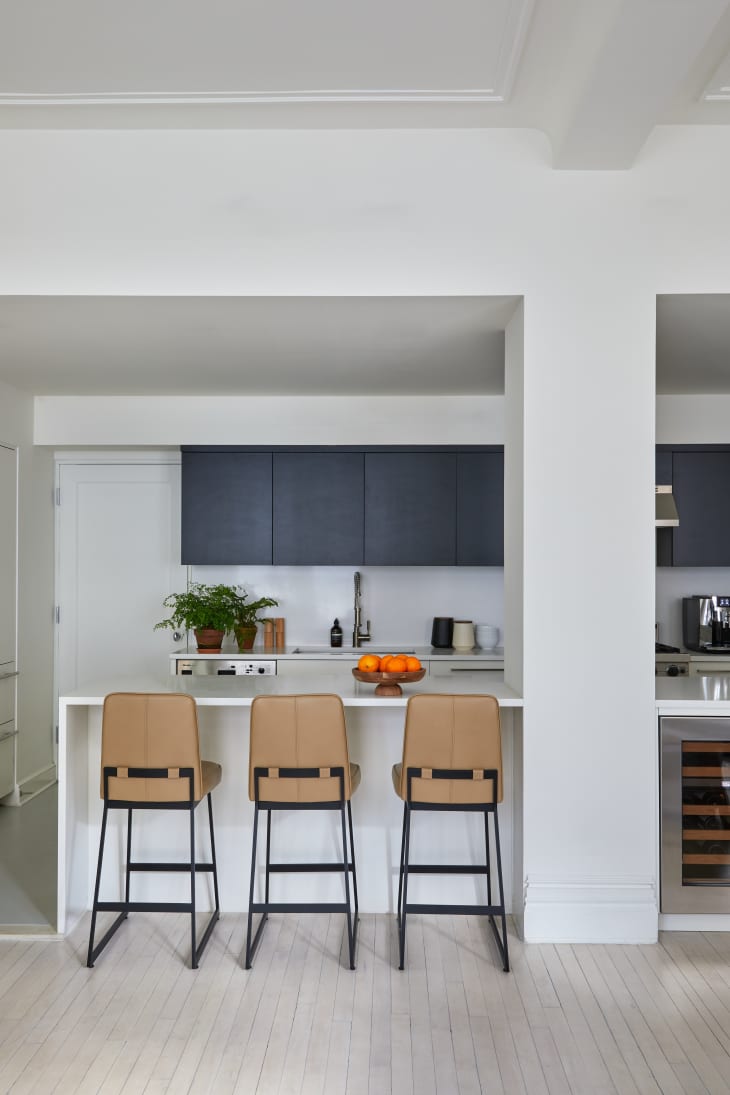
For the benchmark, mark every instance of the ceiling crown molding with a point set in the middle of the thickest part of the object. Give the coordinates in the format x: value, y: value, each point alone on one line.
x: 516, y: 18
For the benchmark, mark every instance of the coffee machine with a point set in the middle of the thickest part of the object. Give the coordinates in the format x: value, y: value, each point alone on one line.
x: 706, y: 623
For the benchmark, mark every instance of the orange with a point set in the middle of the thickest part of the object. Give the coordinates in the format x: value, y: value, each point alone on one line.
x: 385, y: 662
x: 369, y: 663
x: 397, y: 664
x: 413, y: 664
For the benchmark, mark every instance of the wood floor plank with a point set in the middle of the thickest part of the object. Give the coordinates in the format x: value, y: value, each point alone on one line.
x: 568, y: 1020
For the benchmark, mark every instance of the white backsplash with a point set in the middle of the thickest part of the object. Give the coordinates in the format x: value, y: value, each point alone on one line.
x: 674, y: 583
x: 400, y: 602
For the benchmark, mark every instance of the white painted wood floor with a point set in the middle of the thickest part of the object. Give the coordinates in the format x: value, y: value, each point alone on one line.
x: 578, y: 1019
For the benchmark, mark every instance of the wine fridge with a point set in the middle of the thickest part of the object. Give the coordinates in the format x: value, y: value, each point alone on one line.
x: 695, y: 814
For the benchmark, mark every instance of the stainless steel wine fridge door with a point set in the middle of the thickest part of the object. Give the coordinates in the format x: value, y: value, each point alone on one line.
x: 695, y: 815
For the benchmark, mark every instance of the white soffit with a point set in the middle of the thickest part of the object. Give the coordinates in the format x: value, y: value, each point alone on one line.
x: 693, y: 344
x: 254, y: 345
x: 718, y: 89
x: 249, y: 51
x: 648, y: 50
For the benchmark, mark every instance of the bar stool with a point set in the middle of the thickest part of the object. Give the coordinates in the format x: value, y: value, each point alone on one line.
x: 298, y: 760
x: 150, y: 760
x: 452, y: 760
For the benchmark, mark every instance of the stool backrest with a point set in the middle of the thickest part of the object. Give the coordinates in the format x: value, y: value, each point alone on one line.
x: 445, y: 731
x: 298, y: 732
x: 147, y: 730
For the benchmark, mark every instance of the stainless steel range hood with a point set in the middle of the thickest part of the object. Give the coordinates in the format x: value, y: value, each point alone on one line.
x: 666, y: 509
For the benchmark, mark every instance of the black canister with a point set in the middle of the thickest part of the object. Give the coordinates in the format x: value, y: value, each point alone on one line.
x: 442, y: 632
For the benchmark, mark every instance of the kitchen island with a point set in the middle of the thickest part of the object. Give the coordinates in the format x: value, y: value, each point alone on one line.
x: 375, y: 735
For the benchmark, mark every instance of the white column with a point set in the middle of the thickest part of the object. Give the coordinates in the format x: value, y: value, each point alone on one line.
x: 588, y: 568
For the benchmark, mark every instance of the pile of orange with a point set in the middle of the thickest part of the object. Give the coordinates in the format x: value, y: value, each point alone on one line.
x: 389, y: 663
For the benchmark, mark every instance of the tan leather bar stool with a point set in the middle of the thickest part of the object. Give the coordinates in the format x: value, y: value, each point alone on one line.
x: 150, y: 760
x: 452, y: 760
x: 298, y: 760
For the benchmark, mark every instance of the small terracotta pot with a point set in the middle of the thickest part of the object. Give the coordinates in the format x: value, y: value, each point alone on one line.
x: 245, y: 636
x: 209, y: 640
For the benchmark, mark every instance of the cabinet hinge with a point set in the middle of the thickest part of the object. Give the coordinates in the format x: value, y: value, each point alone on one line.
x: 58, y: 614
x: 58, y: 496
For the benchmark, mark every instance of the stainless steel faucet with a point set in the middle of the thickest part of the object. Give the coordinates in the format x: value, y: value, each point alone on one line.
x: 358, y: 636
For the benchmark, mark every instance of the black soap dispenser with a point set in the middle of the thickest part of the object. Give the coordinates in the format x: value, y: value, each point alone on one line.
x: 336, y: 634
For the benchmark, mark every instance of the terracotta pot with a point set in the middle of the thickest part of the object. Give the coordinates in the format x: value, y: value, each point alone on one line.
x: 245, y: 636
x: 209, y: 640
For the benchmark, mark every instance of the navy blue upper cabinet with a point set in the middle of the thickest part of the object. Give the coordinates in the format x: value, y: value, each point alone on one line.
x: 226, y: 507
x: 318, y: 508
x: 480, y: 508
x: 410, y: 508
x: 701, y: 488
x: 346, y: 506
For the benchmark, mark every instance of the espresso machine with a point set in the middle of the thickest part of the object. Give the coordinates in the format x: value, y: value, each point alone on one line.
x: 706, y: 623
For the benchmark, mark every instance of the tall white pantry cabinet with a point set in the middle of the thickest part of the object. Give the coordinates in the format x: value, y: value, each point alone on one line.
x: 8, y: 615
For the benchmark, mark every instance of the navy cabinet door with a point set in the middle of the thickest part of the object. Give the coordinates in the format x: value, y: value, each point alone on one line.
x: 480, y: 509
x: 226, y: 507
x: 318, y: 508
x: 701, y: 488
x: 410, y: 508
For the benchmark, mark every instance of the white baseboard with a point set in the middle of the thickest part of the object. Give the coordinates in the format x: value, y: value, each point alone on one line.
x: 617, y: 911
x: 694, y: 922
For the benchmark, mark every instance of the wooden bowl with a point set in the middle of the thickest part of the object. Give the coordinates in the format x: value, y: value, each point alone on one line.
x: 389, y: 684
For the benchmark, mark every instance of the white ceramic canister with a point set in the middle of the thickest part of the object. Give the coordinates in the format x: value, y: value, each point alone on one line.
x: 463, y: 635
x: 487, y: 636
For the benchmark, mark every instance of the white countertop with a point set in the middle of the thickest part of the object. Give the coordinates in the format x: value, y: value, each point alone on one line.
x: 322, y: 652
x: 240, y: 691
x: 701, y: 695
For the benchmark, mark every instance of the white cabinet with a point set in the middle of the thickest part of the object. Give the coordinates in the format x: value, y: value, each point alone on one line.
x: 466, y: 667
x: 316, y: 667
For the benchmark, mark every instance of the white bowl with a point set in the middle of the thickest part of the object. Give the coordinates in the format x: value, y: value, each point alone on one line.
x: 487, y: 636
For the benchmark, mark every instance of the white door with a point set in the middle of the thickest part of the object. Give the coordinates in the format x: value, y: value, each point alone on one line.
x: 8, y: 602
x: 118, y: 558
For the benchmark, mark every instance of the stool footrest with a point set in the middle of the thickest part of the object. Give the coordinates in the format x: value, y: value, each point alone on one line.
x: 144, y: 906
x: 170, y: 867
x: 306, y: 868
x: 446, y: 868
x: 298, y: 906
x: 456, y: 910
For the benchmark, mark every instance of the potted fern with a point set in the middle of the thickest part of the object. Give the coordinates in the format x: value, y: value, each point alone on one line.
x: 208, y: 610
x: 247, y: 619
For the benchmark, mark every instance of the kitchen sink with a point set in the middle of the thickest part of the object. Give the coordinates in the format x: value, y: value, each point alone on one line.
x: 365, y: 649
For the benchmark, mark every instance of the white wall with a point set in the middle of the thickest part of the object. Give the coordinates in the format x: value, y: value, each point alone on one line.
x: 469, y: 211
x: 35, y: 591
x: 400, y: 602
x: 269, y: 420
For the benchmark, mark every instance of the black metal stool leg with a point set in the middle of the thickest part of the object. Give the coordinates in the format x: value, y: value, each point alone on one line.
x: 252, y: 943
x: 268, y: 856
x: 93, y: 951
x: 352, y: 849
x: 406, y: 850
x: 489, y: 864
x: 214, y: 861
x: 351, y: 930
x: 194, y: 952
x: 400, y: 868
x: 129, y: 856
x: 502, y: 943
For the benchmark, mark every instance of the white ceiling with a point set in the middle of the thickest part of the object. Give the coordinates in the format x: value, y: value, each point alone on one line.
x: 595, y: 75
x: 693, y: 344
x: 254, y: 345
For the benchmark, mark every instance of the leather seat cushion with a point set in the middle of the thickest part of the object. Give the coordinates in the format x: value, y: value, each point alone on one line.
x: 447, y: 791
